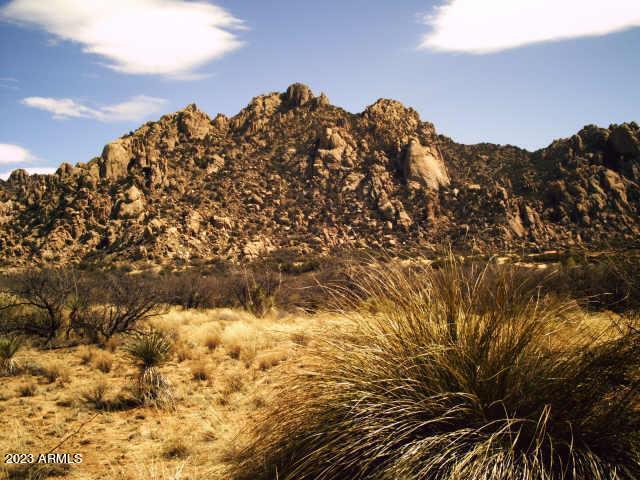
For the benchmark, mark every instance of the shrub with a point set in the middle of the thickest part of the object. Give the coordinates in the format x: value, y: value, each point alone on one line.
x: 610, y: 281
x: 460, y: 373
x: 191, y: 290
x: 40, y: 295
x: 256, y: 291
x: 118, y: 304
x: 150, y: 350
x: 9, y: 346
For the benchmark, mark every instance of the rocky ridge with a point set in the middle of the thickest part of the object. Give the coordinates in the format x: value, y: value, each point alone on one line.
x: 291, y: 172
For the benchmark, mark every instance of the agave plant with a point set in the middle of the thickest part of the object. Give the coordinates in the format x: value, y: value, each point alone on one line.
x: 150, y: 350
x: 9, y: 346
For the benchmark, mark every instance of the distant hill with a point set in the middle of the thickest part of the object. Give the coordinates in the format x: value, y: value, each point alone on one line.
x: 293, y: 172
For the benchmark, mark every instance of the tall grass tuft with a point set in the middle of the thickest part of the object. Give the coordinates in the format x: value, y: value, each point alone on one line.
x: 461, y: 372
x: 9, y: 346
x: 150, y: 350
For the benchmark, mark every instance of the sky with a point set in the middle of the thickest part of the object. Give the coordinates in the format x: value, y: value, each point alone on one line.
x: 76, y: 74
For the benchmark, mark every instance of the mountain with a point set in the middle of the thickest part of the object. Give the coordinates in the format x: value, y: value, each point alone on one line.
x: 291, y: 172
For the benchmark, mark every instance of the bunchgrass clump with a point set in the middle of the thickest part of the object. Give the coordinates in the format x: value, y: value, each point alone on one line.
x: 95, y: 395
x: 464, y: 372
x: 103, y: 361
x: 9, y: 346
x: 150, y: 350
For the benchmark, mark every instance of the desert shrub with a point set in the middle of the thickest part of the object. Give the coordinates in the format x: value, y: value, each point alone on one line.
x: 9, y: 346
x: 459, y: 373
x: 118, y: 304
x: 39, y: 298
x: 255, y: 291
x: 317, y: 290
x: 191, y: 290
x: 150, y: 350
x: 610, y: 281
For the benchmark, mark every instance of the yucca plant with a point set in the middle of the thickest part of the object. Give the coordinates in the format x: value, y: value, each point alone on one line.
x: 150, y: 350
x: 9, y: 346
x: 464, y: 372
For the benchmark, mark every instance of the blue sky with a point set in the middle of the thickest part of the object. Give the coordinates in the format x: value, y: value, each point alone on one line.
x: 69, y: 83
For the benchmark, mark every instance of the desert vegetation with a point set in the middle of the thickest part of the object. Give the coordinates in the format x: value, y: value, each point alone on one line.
x: 360, y: 368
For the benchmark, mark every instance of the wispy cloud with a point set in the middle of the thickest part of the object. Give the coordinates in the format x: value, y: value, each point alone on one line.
x: 14, y: 154
x: 489, y: 26
x: 31, y: 171
x: 9, y: 83
x: 163, y: 37
x: 134, y: 109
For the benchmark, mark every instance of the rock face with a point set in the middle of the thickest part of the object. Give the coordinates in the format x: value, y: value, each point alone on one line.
x: 424, y: 167
x: 290, y: 172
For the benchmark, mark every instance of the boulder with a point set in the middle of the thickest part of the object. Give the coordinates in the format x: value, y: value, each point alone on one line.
x: 115, y: 160
x: 298, y: 95
x: 624, y: 141
x: 423, y: 167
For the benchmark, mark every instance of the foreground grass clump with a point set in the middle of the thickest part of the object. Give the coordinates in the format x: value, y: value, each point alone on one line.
x: 457, y: 373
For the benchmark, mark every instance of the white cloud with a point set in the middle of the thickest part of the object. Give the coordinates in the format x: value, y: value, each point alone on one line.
x: 11, y: 154
x: 163, y: 37
x: 489, y: 26
x: 31, y: 171
x: 134, y: 109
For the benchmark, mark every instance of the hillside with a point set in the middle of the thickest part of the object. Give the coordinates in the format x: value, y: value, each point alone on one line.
x: 292, y: 172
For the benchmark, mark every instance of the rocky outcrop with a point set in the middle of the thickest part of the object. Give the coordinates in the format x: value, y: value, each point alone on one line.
x: 423, y: 167
x: 292, y: 173
x: 115, y: 160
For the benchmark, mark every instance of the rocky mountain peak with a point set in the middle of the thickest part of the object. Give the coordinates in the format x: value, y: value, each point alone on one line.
x: 292, y: 173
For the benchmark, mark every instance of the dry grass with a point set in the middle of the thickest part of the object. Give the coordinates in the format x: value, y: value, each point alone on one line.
x: 96, y: 394
x: 55, y: 371
x: 126, y: 440
x: 200, y: 371
x: 86, y: 354
x: 460, y: 373
x: 28, y: 389
x: 103, y: 361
